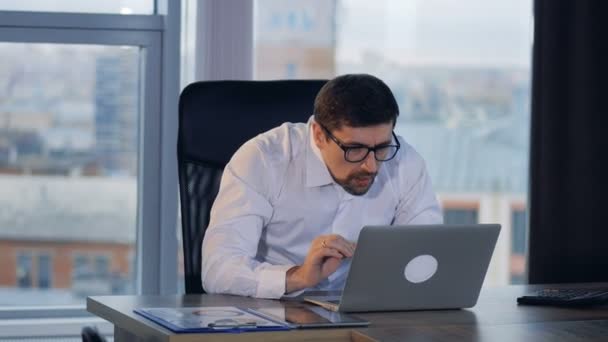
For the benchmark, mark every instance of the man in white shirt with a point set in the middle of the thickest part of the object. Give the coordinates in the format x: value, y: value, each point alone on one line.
x: 293, y: 200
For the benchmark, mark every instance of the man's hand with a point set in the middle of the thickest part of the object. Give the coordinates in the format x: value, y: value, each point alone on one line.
x: 324, y: 257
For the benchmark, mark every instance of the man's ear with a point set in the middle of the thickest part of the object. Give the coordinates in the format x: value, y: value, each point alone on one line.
x: 318, y: 135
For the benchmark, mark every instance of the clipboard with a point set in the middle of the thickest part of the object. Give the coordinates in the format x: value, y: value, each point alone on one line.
x: 211, y: 319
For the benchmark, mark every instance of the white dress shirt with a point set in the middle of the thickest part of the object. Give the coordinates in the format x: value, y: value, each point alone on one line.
x: 276, y: 196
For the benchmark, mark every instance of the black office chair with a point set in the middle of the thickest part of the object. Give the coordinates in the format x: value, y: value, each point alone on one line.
x: 215, y: 119
x: 90, y: 334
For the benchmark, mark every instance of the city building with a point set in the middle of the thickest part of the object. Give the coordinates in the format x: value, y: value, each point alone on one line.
x: 72, y: 235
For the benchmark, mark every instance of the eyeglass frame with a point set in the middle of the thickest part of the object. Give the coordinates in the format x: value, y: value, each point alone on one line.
x: 346, y: 148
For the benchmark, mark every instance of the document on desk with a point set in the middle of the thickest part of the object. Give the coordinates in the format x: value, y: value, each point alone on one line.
x: 210, y: 319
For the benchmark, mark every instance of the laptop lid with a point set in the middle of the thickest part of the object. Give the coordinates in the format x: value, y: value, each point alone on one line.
x: 418, y: 267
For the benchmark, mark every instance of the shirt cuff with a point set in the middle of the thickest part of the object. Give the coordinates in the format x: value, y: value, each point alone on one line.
x: 271, y: 281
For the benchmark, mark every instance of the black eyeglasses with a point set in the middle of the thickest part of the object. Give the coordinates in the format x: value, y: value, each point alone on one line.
x: 358, y: 153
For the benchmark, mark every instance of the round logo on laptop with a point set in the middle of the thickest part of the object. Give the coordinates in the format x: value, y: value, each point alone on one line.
x: 420, y: 269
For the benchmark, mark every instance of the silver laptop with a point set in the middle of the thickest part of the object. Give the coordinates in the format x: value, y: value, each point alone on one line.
x: 415, y: 268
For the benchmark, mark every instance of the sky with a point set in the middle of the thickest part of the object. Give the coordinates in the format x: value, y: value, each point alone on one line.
x: 435, y: 32
x: 446, y: 32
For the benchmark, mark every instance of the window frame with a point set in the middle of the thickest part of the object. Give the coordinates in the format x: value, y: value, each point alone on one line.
x: 27, y: 255
x: 158, y: 37
x: 39, y: 256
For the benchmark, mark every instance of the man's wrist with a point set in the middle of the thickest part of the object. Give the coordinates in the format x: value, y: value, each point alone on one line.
x: 293, y: 281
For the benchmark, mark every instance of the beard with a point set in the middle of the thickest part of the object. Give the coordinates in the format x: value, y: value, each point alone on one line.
x: 358, y: 183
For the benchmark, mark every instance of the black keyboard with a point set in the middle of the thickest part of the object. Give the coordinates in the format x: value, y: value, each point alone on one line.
x: 566, y: 297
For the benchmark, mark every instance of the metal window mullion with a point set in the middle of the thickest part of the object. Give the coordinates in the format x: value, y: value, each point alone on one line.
x: 76, y: 36
x: 46, y: 20
x: 149, y: 174
x: 149, y: 210
x: 170, y: 82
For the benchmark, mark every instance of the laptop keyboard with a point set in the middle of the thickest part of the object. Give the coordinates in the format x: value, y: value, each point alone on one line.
x: 572, y: 296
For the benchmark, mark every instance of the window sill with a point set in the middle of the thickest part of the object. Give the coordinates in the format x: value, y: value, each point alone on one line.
x: 49, y: 327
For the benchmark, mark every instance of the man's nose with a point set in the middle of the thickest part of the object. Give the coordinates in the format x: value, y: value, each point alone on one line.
x: 370, y: 164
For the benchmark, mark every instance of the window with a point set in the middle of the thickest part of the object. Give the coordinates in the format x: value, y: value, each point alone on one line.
x: 295, y: 39
x: 460, y: 72
x: 92, y: 273
x: 70, y: 132
x: 80, y: 138
x: 80, y: 266
x: 518, y: 246
x: 24, y: 270
x: 460, y: 216
x: 33, y: 269
x: 518, y: 235
x: 102, y: 265
x: 45, y: 271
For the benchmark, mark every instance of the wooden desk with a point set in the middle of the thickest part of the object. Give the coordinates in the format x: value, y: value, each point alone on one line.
x: 496, y: 317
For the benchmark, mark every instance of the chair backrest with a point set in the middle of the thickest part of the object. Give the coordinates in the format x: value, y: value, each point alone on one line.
x: 91, y: 334
x: 215, y: 119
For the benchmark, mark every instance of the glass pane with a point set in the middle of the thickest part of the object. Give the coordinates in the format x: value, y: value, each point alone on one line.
x: 68, y: 171
x: 459, y: 216
x: 460, y: 72
x: 107, y: 6
x: 24, y: 270
x: 518, y: 246
x: 44, y: 271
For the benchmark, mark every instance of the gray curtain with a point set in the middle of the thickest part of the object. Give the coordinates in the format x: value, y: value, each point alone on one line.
x: 568, y: 237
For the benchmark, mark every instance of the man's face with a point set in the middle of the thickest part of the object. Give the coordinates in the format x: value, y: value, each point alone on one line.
x: 355, y: 178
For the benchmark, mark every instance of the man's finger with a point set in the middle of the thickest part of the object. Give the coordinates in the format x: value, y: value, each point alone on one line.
x: 340, y: 246
x: 347, y: 243
x: 331, y: 252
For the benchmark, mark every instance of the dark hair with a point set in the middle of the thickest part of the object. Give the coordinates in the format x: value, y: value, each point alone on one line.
x: 355, y: 100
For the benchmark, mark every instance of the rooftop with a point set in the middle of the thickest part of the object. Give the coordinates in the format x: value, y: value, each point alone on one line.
x: 58, y: 208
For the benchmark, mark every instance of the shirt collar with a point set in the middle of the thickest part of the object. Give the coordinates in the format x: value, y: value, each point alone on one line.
x: 316, y: 170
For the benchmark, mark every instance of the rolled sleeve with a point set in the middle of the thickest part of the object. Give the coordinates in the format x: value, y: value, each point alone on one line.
x: 271, y: 281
